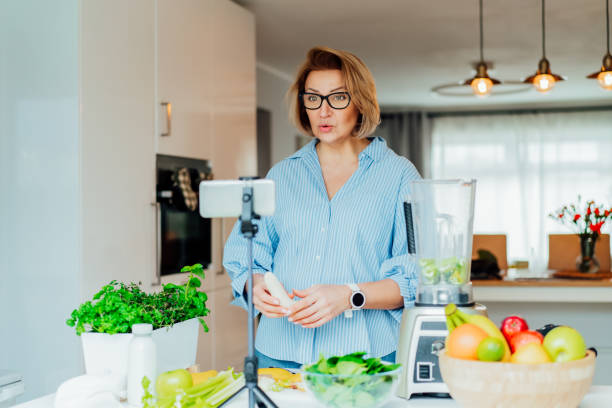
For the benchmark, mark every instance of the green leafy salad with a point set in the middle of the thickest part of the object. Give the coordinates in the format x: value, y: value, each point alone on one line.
x: 350, y: 380
x: 117, y: 306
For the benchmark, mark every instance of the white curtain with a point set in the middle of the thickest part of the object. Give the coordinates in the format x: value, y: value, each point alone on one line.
x: 526, y: 166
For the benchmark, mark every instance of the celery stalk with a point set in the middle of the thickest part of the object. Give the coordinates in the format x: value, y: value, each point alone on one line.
x: 219, y: 382
x: 221, y: 395
x: 209, y: 394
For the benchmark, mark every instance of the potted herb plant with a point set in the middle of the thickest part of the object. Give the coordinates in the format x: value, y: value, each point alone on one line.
x: 104, y: 323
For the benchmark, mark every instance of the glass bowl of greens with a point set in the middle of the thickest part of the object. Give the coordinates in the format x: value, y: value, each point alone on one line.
x: 351, y: 381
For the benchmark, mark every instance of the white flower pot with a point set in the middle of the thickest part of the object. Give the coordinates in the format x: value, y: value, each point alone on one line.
x: 107, y: 354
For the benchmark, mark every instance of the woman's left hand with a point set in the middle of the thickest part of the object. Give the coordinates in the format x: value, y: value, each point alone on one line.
x: 319, y: 304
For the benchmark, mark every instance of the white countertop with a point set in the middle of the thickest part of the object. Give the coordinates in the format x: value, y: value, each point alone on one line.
x: 598, y: 397
x: 538, y: 294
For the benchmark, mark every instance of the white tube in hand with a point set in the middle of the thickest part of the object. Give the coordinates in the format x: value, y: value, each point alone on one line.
x: 277, y: 290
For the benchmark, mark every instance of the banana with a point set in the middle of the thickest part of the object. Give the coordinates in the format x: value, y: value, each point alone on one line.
x: 460, y: 317
x: 450, y: 324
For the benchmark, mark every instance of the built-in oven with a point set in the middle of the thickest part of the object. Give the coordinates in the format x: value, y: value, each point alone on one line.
x: 183, y: 237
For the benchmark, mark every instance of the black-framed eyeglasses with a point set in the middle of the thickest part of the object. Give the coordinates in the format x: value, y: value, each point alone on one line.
x: 337, y: 100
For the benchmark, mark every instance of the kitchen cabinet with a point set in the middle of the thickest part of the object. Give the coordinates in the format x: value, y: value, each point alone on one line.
x: 206, y: 71
x: 231, y: 325
x: 116, y: 143
x: 184, y: 77
x: 84, y: 117
x: 225, y: 344
x: 199, y: 55
x: 205, y: 59
x: 234, y: 111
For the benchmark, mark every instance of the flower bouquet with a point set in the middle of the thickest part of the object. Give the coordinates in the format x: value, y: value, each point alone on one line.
x: 586, y: 220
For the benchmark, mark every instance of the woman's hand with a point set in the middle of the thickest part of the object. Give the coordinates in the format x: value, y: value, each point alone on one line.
x: 267, y: 304
x: 319, y: 304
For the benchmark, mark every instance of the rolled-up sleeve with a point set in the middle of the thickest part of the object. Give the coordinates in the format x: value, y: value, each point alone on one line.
x: 401, y: 267
x: 402, y: 270
x: 235, y: 256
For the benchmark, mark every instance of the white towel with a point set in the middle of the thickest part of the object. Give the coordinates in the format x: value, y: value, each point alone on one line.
x: 90, y: 391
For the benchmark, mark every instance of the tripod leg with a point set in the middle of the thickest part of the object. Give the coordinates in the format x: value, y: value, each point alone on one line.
x: 262, y: 397
x: 244, y: 387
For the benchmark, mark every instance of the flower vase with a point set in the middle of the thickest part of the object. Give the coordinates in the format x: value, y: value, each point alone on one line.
x: 587, y: 262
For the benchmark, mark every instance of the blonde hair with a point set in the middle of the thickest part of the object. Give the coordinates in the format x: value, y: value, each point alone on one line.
x: 359, y: 83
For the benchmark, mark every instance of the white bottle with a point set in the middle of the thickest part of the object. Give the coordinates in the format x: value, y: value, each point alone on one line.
x: 142, y: 361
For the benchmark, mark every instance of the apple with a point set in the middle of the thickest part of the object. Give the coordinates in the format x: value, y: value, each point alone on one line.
x: 532, y: 353
x: 168, y: 384
x: 512, y: 325
x: 564, y: 343
x: 520, y: 339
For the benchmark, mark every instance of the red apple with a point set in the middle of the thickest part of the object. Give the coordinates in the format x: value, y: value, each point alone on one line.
x: 512, y: 325
x: 520, y: 339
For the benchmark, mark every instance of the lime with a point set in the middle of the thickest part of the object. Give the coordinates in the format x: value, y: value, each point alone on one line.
x: 430, y: 275
x: 426, y: 262
x: 429, y: 272
x: 491, y: 349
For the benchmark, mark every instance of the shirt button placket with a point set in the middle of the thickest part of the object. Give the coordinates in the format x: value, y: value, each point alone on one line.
x: 325, y: 233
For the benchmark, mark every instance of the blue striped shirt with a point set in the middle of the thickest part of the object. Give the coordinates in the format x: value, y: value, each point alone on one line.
x: 357, y: 236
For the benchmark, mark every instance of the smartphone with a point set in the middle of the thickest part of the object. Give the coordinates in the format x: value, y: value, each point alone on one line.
x: 223, y: 198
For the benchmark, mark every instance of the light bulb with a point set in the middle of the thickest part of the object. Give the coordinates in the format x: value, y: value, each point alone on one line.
x: 481, y: 86
x: 605, y: 80
x: 544, y: 82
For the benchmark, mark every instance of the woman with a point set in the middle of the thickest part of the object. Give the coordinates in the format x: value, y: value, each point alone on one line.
x: 337, y: 241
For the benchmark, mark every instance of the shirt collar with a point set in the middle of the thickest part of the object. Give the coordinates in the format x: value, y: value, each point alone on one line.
x: 309, y: 148
x: 376, y: 150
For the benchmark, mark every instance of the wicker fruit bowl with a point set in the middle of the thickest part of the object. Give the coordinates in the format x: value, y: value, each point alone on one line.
x: 478, y: 384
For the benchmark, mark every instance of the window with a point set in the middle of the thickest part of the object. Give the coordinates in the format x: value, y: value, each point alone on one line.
x: 526, y: 166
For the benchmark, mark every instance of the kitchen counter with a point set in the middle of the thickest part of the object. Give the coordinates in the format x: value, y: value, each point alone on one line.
x: 597, y: 397
x: 583, y: 304
x: 543, y: 290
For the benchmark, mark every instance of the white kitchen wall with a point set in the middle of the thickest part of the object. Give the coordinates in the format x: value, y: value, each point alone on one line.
x: 76, y: 171
x: 272, y: 86
x: 39, y: 191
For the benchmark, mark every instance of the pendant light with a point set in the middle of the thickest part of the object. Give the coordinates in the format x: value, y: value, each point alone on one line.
x: 604, y: 76
x: 544, y: 79
x: 481, y: 83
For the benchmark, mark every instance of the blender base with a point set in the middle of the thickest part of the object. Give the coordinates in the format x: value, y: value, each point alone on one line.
x: 422, y: 334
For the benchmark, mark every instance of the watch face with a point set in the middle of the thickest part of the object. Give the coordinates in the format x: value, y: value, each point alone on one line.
x: 358, y: 299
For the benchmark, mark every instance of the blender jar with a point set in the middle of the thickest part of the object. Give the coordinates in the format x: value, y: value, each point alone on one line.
x: 443, y: 218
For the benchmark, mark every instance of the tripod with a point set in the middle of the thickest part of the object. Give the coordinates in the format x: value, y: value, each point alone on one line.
x: 249, y: 230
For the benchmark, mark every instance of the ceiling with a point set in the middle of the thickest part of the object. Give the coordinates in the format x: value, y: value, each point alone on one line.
x: 413, y: 45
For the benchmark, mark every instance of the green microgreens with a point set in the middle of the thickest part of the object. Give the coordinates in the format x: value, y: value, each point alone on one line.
x: 117, y: 306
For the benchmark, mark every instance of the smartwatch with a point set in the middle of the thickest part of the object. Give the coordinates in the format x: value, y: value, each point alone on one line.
x: 357, y: 300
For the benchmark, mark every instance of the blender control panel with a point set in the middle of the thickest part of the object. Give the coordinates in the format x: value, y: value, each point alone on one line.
x: 431, y: 336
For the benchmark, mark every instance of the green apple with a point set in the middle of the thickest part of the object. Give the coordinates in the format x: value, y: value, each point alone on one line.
x: 531, y: 353
x: 564, y: 344
x: 168, y: 384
